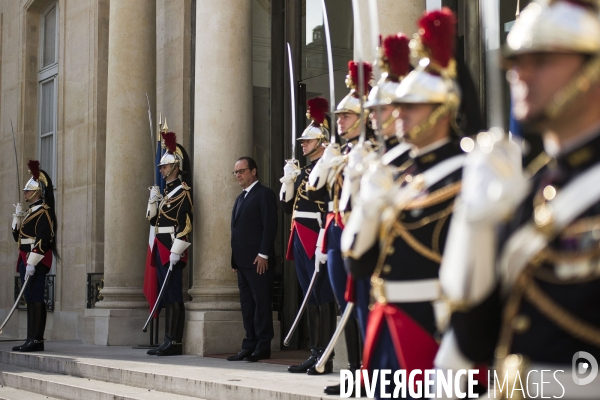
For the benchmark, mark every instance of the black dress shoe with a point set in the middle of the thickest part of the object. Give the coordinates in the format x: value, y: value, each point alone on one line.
x: 172, y: 349
x: 240, y: 356
x: 303, y: 367
x: 259, y: 355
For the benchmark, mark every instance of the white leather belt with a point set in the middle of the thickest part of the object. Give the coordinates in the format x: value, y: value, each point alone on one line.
x: 27, y: 241
x: 412, y: 291
x: 309, y: 215
x: 164, y: 229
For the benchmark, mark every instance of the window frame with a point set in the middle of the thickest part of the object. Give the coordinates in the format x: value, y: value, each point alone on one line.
x: 47, y: 74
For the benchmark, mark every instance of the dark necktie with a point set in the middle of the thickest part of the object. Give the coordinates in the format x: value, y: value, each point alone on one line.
x: 241, y: 199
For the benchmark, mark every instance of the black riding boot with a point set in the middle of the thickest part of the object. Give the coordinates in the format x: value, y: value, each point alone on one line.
x: 312, y: 313
x: 353, y: 345
x: 29, y: 329
x: 164, y: 344
x: 175, y: 345
x: 39, y: 325
x: 328, y: 320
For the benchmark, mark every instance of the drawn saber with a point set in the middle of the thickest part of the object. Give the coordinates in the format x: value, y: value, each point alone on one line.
x: 376, y: 43
x: 286, y: 342
x: 320, y: 365
x: 12, y: 310
x: 159, y: 298
x: 330, y: 68
x: 16, y: 160
x: 152, y: 143
x: 178, y: 247
x: 293, y: 99
x: 361, y: 72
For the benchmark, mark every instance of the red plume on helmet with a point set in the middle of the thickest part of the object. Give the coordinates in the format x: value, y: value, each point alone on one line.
x: 317, y: 109
x: 437, y: 30
x: 396, y: 56
x: 352, y: 79
x: 34, y: 169
x: 170, y: 139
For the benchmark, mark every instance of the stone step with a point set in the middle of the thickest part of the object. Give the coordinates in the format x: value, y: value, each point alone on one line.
x: 192, y: 376
x: 75, y: 388
x: 8, y: 393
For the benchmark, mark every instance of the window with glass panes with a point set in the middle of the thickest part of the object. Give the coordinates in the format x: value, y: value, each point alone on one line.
x: 47, y: 91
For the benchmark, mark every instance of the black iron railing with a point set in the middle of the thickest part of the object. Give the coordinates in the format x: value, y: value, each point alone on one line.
x: 49, y: 287
x: 95, y: 282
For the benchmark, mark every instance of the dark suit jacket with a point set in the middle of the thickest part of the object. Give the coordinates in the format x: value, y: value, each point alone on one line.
x: 254, y: 228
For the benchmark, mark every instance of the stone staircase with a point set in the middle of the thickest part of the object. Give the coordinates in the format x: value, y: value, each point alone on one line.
x: 71, y: 370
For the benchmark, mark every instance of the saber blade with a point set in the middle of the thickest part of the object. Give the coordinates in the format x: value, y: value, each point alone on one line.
x: 320, y: 365
x: 330, y: 68
x: 12, y: 310
x: 293, y: 99
x: 288, y: 338
x: 152, y: 143
x: 361, y: 72
x: 159, y: 298
x: 16, y: 160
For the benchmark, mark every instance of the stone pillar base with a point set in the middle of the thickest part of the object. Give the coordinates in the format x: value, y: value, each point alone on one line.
x: 217, y: 332
x: 115, y: 327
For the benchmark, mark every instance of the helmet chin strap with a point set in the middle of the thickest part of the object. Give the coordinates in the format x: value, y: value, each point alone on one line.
x: 588, y: 76
x: 425, y: 126
x: 313, y: 151
x: 388, y: 122
x: 170, y: 172
x: 32, y: 194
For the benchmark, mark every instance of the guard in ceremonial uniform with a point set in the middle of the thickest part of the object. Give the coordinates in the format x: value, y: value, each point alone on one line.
x: 325, y: 184
x: 304, y: 247
x: 394, y: 61
x: 171, y: 215
x: 34, y: 231
x: 402, y: 331
x: 541, y: 313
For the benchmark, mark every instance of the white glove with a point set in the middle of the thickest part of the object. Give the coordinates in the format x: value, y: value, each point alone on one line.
x: 17, y: 217
x: 291, y: 170
x: 29, y: 270
x: 320, y: 257
x: 174, y: 258
x: 327, y: 167
x: 155, y: 197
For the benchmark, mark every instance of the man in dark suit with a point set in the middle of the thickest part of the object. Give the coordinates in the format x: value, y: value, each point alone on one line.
x: 253, y: 230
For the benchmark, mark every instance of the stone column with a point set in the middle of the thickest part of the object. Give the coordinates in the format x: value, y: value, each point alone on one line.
x: 394, y: 16
x: 222, y: 134
x: 119, y: 317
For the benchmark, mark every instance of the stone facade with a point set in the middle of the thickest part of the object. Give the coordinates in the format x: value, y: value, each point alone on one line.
x: 205, y: 66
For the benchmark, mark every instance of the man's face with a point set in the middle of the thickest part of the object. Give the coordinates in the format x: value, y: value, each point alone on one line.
x: 345, y: 122
x: 535, y: 78
x: 383, y: 114
x: 411, y: 115
x: 166, y: 169
x: 31, y: 195
x: 308, y: 145
x: 244, y: 176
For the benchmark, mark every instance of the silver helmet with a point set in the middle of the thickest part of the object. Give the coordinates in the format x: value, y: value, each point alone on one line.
x: 319, y: 127
x: 433, y: 81
x: 394, y: 61
x: 560, y: 26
